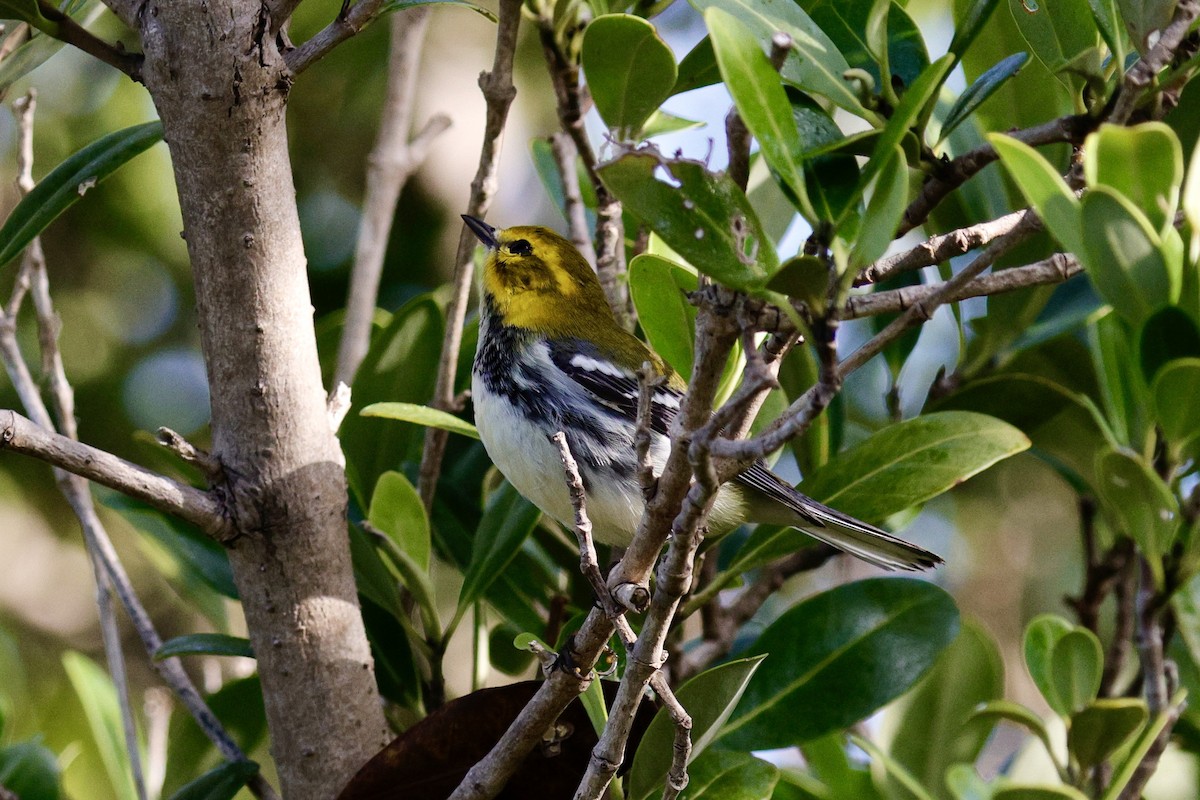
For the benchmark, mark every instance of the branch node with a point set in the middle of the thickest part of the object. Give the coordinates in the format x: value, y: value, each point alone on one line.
x: 177, y: 444
x: 632, y: 596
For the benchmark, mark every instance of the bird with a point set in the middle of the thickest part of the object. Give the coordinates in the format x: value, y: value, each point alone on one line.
x: 551, y: 357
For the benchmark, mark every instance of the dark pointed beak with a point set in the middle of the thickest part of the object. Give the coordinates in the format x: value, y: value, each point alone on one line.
x: 486, y: 233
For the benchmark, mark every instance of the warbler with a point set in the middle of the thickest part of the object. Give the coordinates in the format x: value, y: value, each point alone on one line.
x: 551, y: 357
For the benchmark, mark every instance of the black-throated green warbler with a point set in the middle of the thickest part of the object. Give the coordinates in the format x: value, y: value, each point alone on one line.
x: 552, y: 358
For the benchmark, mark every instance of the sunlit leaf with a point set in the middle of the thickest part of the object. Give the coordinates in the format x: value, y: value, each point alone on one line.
x: 630, y: 70
x: 421, y: 415
x: 205, y: 644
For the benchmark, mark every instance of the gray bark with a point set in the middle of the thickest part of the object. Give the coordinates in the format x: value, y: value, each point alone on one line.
x: 220, y: 85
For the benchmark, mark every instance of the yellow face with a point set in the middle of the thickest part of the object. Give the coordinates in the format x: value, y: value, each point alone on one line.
x: 537, y: 279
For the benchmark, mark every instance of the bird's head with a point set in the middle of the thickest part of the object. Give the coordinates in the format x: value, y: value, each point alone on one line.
x: 538, y: 280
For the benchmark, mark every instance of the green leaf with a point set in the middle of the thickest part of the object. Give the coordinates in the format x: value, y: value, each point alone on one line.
x: 1125, y: 257
x: 99, y: 698
x: 421, y: 415
x: 964, y: 783
x: 884, y: 210
x: 35, y: 51
x: 1143, y: 18
x: 30, y: 771
x: 709, y: 698
x: 1153, y: 188
x: 703, y: 217
x: 1108, y: 22
x: 1139, y: 502
x: 1044, y: 189
x: 847, y: 25
x: 68, y: 182
x: 400, y: 366
x: 1056, y: 31
x: 1169, y: 334
x: 1077, y: 664
x: 1174, y: 391
x: 892, y: 769
x: 630, y: 70
x: 727, y: 775
x: 933, y: 731
x: 911, y: 462
x: 1018, y: 715
x: 659, y: 289
x: 815, y: 64
x: 760, y: 101
x: 1104, y: 727
x: 507, y: 522
x: 399, y: 5
x: 593, y: 703
x: 979, y: 91
x: 661, y: 123
x: 840, y: 656
x: 397, y: 510
x: 1041, y: 635
x: 698, y: 68
x: 205, y: 644
x: 970, y: 23
x: 222, y: 783
x: 30, y: 12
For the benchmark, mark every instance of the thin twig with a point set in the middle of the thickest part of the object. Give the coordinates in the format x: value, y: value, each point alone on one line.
x: 348, y: 23
x: 498, y: 93
x: 1139, y: 77
x: 77, y: 36
x: 562, y: 146
x: 949, y: 176
x: 589, y: 565
x: 392, y: 161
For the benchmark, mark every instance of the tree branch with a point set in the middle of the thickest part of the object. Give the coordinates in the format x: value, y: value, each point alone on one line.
x: 392, y: 161
x: 1139, y: 77
x: 562, y: 146
x: 498, y: 93
x: 948, y: 177
x: 74, y: 34
x: 349, y: 21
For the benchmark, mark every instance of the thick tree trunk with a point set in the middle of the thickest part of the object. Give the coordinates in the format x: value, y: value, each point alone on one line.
x: 221, y: 92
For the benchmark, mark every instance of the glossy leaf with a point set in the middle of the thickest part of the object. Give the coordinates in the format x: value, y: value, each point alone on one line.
x: 69, y: 181
x: 421, y: 415
x: 910, y: 462
x: 205, y: 644
x: 1056, y: 31
x: 396, y: 510
x: 1103, y: 727
x: 847, y: 25
x: 1175, y: 390
x: 221, y: 783
x: 661, y: 123
x: 1139, y: 502
x: 760, y: 100
x: 1125, y: 257
x: 933, y: 731
x: 30, y: 771
x: 400, y: 366
x: 698, y: 68
x: 99, y: 699
x: 506, y: 523
x: 840, y: 656
x: 815, y: 64
x: 979, y: 91
x: 1153, y: 188
x: 27, y: 11
x: 703, y: 217
x: 1041, y: 634
x: 729, y: 775
x: 1111, y: 27
x: 1044, y: 189
x: 1077, y: 663
x: 659, y: 290
x: 709, y: 698
x: 630, y: 70
x: 969, y: 23
x: 884, y: 210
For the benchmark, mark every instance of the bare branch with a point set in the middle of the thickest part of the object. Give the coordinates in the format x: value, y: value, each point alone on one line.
x: 945, y: 246
x: 498, y: 92
x: 1139, y: 77
x: 392, y: 161
x: 1055, y: 269
x: 948, y: 177
x: 349, y: 22
x: 589, y: 565
x: 77, y: 36
x: 565, y: 154
x: 190, y: 504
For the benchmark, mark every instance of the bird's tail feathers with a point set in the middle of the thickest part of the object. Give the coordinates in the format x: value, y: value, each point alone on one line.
x: 865, y: 541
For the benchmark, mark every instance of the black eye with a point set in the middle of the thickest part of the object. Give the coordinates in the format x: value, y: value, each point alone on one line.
x: 521, y: 247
